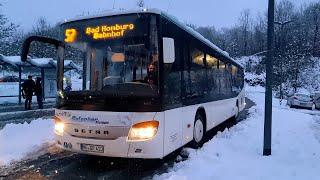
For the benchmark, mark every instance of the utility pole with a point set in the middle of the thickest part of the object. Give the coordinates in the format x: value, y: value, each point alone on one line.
x: 269, y: 71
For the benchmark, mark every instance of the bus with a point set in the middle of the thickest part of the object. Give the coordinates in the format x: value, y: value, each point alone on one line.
x: 149, y: 85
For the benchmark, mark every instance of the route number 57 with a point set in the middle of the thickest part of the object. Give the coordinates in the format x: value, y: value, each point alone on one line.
x: 70, y: 35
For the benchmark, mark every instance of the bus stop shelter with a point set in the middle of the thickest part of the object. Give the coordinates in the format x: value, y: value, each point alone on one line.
x: 42, y: 67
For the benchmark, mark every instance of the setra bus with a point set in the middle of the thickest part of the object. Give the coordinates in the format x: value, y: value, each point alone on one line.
x: 149, y: 85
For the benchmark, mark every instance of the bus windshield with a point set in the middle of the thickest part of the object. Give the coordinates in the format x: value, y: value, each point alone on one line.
x: 119, y: 55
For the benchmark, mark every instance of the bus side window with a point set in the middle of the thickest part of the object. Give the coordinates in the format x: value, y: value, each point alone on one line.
x: 221, y: 79
x: 240, y: 78
x: 229, y: 80
x: 198, y: 73
x: 236, y: 88
x: 224, y: 80
x: 212, y: 66
x: 222, y: 65
x: 172, y: 79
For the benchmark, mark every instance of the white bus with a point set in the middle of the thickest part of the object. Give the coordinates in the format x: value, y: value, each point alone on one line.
x: 150, y: 85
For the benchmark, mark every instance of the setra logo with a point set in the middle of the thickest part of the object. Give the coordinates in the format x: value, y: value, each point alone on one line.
x: 91, y: 131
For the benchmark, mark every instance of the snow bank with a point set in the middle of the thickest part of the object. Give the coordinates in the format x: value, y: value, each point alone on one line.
x: 254, y: 79
x: 237, y: 153
x: 12, y: 89
x: 255, y: 74
x: 18, y: 140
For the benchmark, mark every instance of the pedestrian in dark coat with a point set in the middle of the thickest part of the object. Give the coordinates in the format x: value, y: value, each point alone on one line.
x: 27, y: 92
x: 38, y: 92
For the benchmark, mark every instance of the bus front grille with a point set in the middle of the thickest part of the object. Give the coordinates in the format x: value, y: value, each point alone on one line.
x: 97, y: 132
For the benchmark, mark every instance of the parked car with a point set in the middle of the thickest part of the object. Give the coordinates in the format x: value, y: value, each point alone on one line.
x: 302, y: 101
x: 316, y: 99
x: 9, y: 79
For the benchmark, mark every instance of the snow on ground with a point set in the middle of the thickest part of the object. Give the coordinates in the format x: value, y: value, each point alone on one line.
x: 19, y: 140
x: 12, y: 89
x: 9, y: 89
x: 249, y: 61
x: 236, y: 153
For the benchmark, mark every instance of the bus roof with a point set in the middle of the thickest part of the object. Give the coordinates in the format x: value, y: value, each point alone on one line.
x: 167, y: 16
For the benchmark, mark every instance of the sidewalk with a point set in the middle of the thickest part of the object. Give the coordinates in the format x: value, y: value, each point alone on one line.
x: 20, y: 107
x: 15, y: 113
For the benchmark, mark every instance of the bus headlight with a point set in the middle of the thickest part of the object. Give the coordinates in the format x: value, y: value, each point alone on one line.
x: 58, y: 126
x: 143, y: 131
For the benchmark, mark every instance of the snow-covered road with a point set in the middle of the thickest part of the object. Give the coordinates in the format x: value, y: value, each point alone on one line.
x: 237, y: 153
x: 18, y: 141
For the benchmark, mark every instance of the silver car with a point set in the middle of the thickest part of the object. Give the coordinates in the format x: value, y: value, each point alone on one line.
x: 316, y: 99
x: 302, y: 101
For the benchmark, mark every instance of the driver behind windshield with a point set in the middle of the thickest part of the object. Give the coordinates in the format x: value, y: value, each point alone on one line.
x: 152, y: 74
x: 123, y: 65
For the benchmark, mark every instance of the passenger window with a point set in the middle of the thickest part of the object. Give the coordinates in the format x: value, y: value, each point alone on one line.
x: 222, y: 65
x: 234, y: 70
x: 228, y: 80
x: 198, y: 76
x: 172, y: 79
x: 197, y: 57
x: 212, y: 62
x: 213, y: 81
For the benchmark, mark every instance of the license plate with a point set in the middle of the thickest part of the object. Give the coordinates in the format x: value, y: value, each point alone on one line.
x: 92, y: 148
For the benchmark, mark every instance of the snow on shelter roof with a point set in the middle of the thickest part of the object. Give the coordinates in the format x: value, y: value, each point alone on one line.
x: 13, y: 60
x: 36, y: 62
x: 166, y: 15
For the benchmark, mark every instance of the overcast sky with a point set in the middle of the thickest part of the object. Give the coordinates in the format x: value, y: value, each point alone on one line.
x: 220, y: 13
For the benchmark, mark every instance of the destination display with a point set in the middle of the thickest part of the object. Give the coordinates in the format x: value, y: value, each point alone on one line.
x: 111, y: 31
x: 108, y: 28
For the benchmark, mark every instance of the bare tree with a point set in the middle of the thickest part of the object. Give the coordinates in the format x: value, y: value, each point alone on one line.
x: 245, y: 24
x: 312, y: 15
x: 140, y: 3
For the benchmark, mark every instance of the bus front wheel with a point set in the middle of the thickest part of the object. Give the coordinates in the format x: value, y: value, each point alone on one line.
x: 198, y: 131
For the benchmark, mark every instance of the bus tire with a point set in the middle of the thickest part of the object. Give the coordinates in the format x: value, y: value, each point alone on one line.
x: 198, y: 131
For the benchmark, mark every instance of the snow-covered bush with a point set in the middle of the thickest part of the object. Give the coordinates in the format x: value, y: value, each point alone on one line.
x: 254, y: 79
x: 310, y: 78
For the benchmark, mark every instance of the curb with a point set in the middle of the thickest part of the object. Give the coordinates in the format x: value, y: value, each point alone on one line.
x: 21, y: 116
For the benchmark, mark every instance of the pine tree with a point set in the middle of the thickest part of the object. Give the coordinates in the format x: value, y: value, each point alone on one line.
x: 7, y: 30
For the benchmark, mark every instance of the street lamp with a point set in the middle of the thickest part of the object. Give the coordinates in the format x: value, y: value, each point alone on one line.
x: 268, y: 94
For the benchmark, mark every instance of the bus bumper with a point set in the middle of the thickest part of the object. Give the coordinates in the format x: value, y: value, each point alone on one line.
x: 111, y: 148
x: 120, y: 147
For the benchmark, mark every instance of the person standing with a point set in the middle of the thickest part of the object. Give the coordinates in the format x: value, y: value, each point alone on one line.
x: 27, y: 92
x: 38, y: 92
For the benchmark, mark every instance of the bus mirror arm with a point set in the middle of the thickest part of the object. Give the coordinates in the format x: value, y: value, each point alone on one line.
x: 27, y: 42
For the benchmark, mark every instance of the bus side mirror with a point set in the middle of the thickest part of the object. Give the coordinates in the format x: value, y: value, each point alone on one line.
x: 59, y: 45
x: 168, y: 50
x: 26, y: 44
